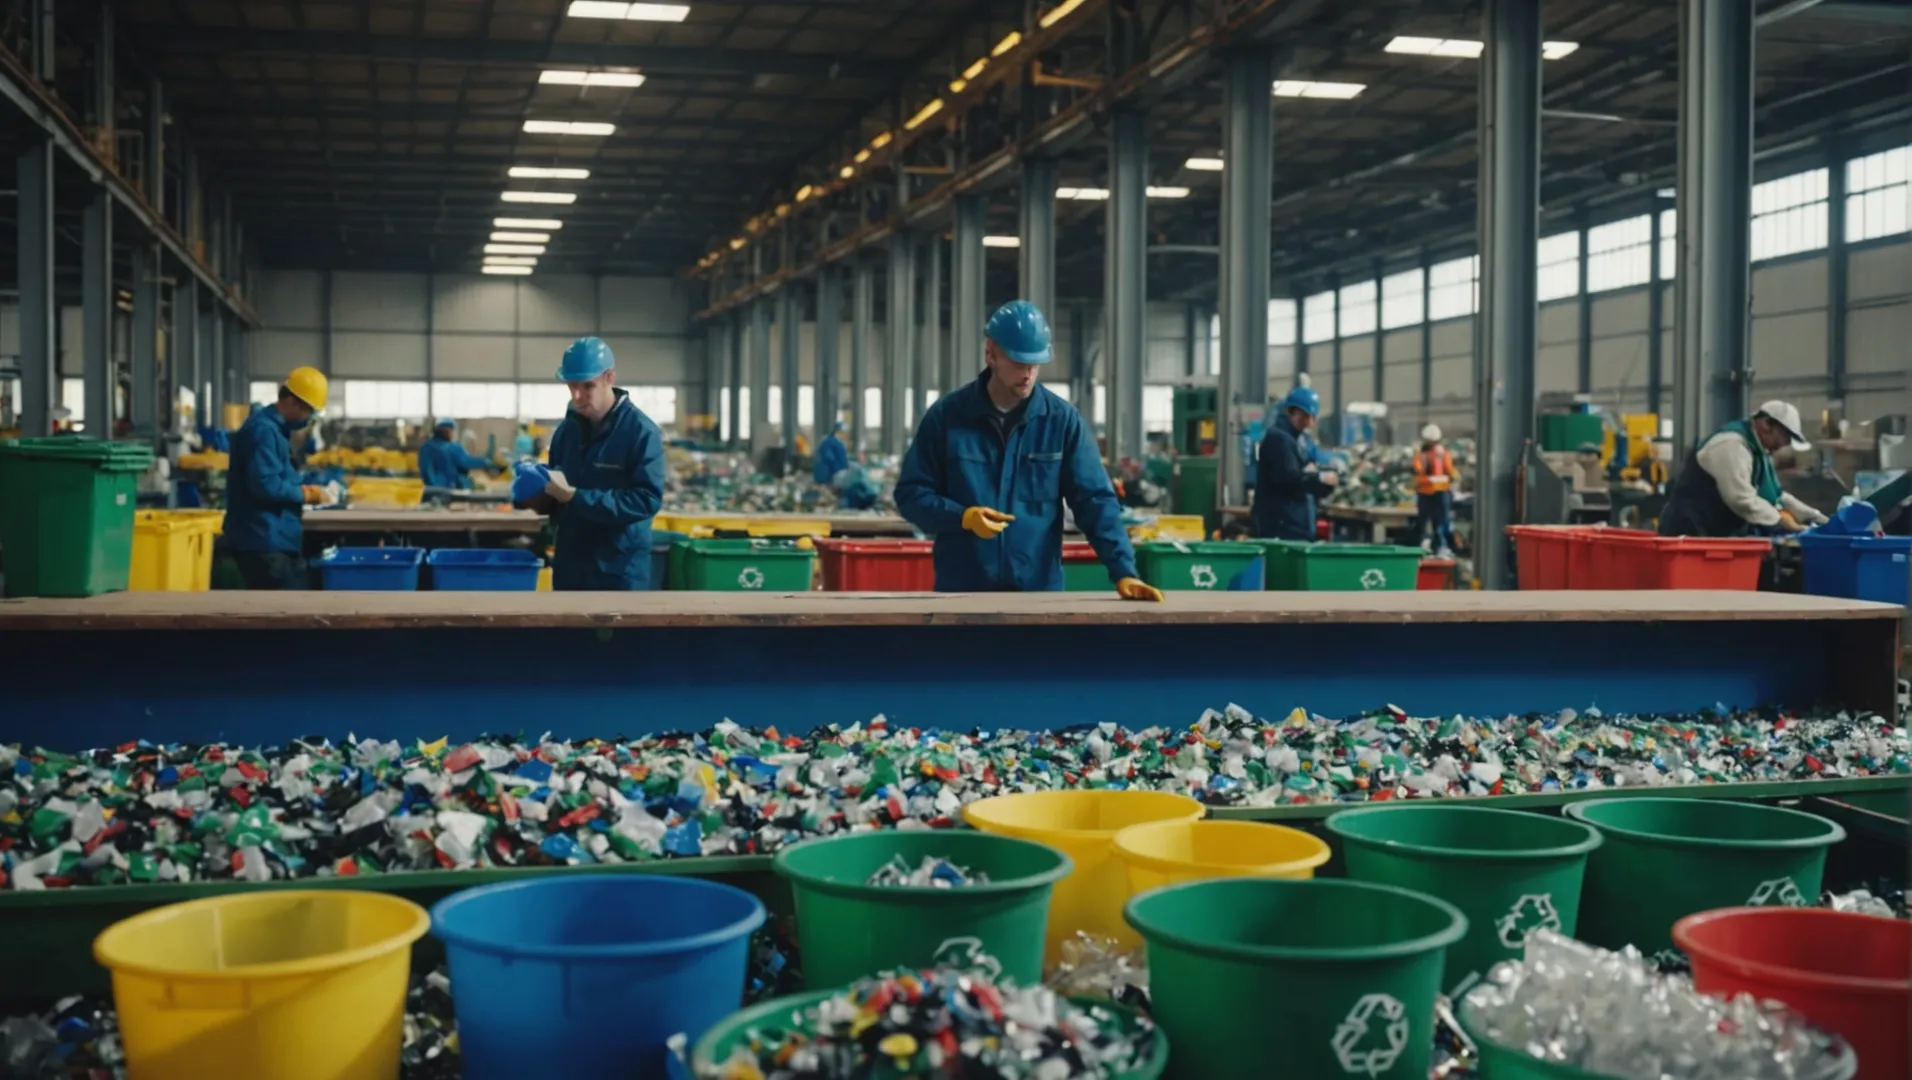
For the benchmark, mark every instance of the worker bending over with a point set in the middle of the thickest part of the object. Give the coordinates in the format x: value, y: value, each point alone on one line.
x: 1434, y: 491
x: 1730, y: 487
x: 607, y: 479
x: 264, y: 531
x: 993, y: 462
x: 443, y: 463
x: 832, y: 456
x: 1287, y: 478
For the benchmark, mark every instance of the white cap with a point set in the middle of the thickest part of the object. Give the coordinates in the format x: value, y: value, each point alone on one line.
x: 1783, y: 414
x: 1431, y: 433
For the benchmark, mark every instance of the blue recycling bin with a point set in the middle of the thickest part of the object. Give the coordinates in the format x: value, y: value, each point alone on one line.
x: 1882, y: 569
x: 1829, y: 564
x: 484, y: 570
x: 371, y: 569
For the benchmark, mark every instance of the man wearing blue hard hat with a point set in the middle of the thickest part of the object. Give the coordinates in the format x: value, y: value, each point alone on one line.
x: 605, y: 479
x: 993, y: 462
x: 1287, y: 476
x: 442, y: 462
x: 832, y: 456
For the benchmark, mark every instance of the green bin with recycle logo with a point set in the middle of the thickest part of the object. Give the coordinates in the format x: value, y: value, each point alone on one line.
x: 1317, y: 978
x: 1205, y: 566
x: 1355, y: 568
x: 752, y: 565
x: 1511, y: 873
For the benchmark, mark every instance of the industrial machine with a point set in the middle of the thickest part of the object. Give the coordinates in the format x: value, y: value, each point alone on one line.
x: 1196, y: 418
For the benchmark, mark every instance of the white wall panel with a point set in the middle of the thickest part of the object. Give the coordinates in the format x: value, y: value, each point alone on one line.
x: 1453, y: 377
x: 643, y: 305
x: 1877, y: 272
x: 492, y: 357
x: 1357, y: 382
x: 648, y: 359
x: 1789, y: 346
x: 72, y: 343
x: 1780, y: 288
x: 1402, y: 346
x: 1621, y: 313
x: 1356, y: 353
x: 363, y: 301
x: 291, y: 299
x: 1557, y: 367
x: 1281, y: 368
x: 9, y: 330
x: 1560, y: 323
x: 473, y: 302
x: 272, y: 353
x: 1619, y: 361
x: 1454, y: 337
x: 364, y: 355
x: 1880, y: 339
x: 557, y: 304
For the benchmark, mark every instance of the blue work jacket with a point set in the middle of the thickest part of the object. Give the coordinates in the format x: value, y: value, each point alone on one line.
x: 958, y: 460
x: 1285, y: 491
x: 832, y: 458
x: 442, y: 463
x: 263, y: 496
x: 604, y: 532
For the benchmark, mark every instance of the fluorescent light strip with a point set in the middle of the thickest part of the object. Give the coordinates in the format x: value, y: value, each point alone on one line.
x: 1468, y: 48
x: 923, y: 114
x: 568, y: 127
x: 1002, y: 241
x: 1010, y: 40
x: 526, y: 223
x: 1058, y: 13
x: 554, y: 198
x: 976, y: 68
x: 520, y: 238
x: 560, y: 77
x: 514, y: 271
x: 1302, y: 88
x: 597, y: 9
x: 511, y: 260
x: 1082, y: 194
x: 1167, y: 192
x: 514, y: 249
x: 1203, y: 164
x: 540, y: 172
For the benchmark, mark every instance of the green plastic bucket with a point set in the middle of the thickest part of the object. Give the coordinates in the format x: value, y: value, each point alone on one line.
x: 66, y: 514
x: 1082, y: 570
x: 1358, y: 568
x: 1665, y: 859
x: 707, y: 1057
x: 1204, y: 566
x: 847, y: 929
x: 1509, y: 872
x: 1321, y: 978
x: 1282, y: 562
x: 745, y: 565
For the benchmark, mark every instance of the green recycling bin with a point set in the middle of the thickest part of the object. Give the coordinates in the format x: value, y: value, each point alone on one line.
x: 1358, y: 568
x: 1511, y: 873
x: 847, y: 928
x: 1319, y: 978
x: 1281, y: 561
x: 1205, y: 566
x: 752, y: 565
x: 66, y: 514
x: 1665, y: 859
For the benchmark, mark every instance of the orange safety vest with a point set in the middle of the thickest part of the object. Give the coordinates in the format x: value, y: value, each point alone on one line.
x: 1433, y: 471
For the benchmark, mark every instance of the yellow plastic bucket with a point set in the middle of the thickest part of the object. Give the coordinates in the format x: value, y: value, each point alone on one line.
x: 1082, y: 825
x: 766, y: 526
x: 1171, y: 852
x: 172, y: 550
x: 1180, y: 527
x: 296, y: 985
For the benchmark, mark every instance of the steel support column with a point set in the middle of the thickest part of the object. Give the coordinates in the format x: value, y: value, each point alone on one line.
x: 1125, y: 281
x: 1711, y: 370
x: 186, y: 346
x: 829, y: 400
x: 966, y: 312
x: 1655, y: 316
x: 1081, y: 368
x: 212, y: 365
x: 862, y: 315
x: 790, y: 307
x: 929, y: 343
x: 96, y: 293
x: 143, y: 398
x: 1838, y: 276
x: 1191, y: 342
x: 1248, y: 147
x: 1334, y: 343
x: 155, y: 164
x: 900, y: 321
x: 1583, y: 310
x: 39, y: 315
x: 759, y: 368
x: 739, y: 334
x: 1509, y: 222
x: 1427, y: 334
x: 1036, y: 277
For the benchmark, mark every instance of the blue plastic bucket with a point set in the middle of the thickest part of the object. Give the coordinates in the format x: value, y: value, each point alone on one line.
x: 588, y: 977
x: 1882, y: 569
x: 371, y: 569
x: 481, y: 570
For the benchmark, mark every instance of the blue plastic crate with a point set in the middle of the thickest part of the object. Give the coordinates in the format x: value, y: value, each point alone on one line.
x: 1884, y: 569
x: 371, y: 569
x: 1830, y: 564
x: 477, y: 570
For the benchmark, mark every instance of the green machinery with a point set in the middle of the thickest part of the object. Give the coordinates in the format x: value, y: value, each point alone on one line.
x: 1197, y: 420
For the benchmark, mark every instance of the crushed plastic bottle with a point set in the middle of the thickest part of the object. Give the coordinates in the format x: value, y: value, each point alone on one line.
x: 931, y: 873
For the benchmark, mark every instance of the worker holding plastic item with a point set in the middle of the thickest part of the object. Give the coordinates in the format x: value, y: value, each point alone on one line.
x: 264, y: 499
x: 1730, y: 488
x: 832, y: 456
x: 993, y: 462
x: 442, y: 463
x: 605, y: 480
x: 1287, y: 478
x: 1434, y: 491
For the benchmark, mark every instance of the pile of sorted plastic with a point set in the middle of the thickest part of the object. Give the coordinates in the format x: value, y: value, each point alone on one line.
x: 1093, y: 965
x: 944, y: 1023
x: 1384, y: 475
x: 141, y: 812
x: 1613, y: 1014
x: 713, y: 481
x: 931, y: 873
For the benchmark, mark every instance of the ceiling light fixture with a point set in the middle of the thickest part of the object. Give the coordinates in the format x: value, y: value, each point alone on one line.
x: 1009, y: 41
x: 568, y: 127
x: 736, y: 243
x: 1305, y: 88
x: 923, y: 114
x: 1468, y: 48
x: 1002, y: 241
x: 559, y: 77
x: 1167, y: 192
x: 976, y: 68
x: 957, y: 86
x: 1082, y: 194
x: 597, y: 9
x: 514, y: 249
x: 514, y: 271
x: 526, y: 223
x: 804, y: 192
x: 521, y: 238
x: 539, y: 172
x: 1557, y: 50
x: 1058, y: 13
x: 861, y: 156
x: 1203, y: 164
x: 847, y: 171
x: 511, y: 260
x: 882, y: 140
x: 554, y: 198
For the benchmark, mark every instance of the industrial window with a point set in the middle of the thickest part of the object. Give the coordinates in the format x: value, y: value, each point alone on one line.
x: 543, y: 401
x: 476, y: 400
x: 262, y: 393
x: 806, y: 406
x: 385, y: 399
x: 723, y: 413
x: 1101, y: 404
x: 1158, y: 409
x: 1403, y: 299
x: 73, y: 399
x: 657, y: 402
x: 1789, y: 215
x: 1282, y: 322
x: 1059, y: 389
x: 1453, y: 288
x: 1619, y: 254
x: 1878, y: 196
x: 1317, y: 318
x: 1669, y: 244
x: 873, y: 408
x: 1559, y: 258
x: 1359, y: 309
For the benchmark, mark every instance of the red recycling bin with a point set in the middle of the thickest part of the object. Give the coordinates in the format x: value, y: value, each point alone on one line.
x: 1693, y: 563
x: 877, y: 565
x: 1620, y: 559
x: 1436, y: 574
x: 1845, y: 972
x: 1541, y: 554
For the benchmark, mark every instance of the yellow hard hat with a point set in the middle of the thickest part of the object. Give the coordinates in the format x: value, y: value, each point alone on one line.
x: 309, y: 385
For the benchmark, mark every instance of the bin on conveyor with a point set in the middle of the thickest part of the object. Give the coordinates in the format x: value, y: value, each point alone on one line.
x: 66, y: 514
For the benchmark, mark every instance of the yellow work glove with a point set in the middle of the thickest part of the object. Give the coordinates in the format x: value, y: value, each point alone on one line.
x: 1136, y: 589
x: 985, y: 523
x: 314, y: 494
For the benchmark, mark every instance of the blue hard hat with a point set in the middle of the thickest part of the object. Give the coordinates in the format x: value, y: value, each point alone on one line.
x: 586, y: 359
x: 445, y: 421
x: 1303, y: 398
x: 1019, y: 329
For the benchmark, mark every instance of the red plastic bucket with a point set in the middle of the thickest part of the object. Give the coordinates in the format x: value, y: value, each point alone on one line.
x: 1847, y: 973
x: 1435, y: 574
x: 877, y: 565
x: 1690, y: 563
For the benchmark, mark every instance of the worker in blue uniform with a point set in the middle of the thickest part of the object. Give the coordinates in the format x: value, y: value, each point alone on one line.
x: 993, y: 462
x: 832, y: 456
x: 606, y: 479
x: 1287, y: 476
x: 264, y: 531
x: 443, y: 463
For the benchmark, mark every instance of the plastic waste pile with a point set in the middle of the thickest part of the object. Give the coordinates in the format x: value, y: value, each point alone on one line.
x: 1384, y: 475
x: 722, y: 482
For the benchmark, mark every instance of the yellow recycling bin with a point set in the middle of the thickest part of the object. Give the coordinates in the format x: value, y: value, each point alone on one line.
x: 1172, y: 852
x: 172, y: 550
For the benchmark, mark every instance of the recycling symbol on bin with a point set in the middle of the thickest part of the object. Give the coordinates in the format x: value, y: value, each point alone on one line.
x: 966, y: 954
x: 1374, y: 578
x: 1779, y: 892
x: 1671, y: 961
x: 1533, y: 911
x: 1372, y: 1035
x: 750, y: 578
x: 1202, y: 576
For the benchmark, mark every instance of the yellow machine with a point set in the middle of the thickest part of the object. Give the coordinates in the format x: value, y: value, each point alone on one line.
x: 1635, y: 445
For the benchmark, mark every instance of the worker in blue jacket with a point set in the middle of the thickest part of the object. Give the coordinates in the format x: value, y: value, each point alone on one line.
x: 264, y: 531
x: 832, y: 456
x: 606, y: 479
x: 993, y: 462
x: 1287, y: 476
x: 443, y: 463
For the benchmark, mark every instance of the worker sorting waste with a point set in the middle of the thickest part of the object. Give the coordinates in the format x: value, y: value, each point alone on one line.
x: 605, y: 480
x: 264, y: 531
x: 1288, y: 477
x: 832, y: 456
x: 1434, y: 492
x: 993, y: 462
x: 1730, y: 487
x: 443, y: 463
